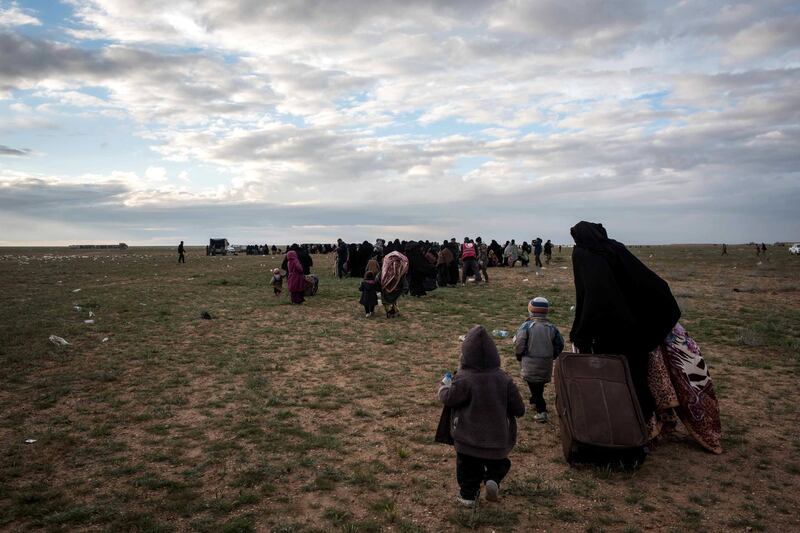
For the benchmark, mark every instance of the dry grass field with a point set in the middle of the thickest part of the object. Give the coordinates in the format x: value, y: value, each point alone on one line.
x: 272, y: 417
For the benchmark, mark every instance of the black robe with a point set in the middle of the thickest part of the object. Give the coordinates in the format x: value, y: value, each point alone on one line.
x: 418, y: 269
x: 621, y: 306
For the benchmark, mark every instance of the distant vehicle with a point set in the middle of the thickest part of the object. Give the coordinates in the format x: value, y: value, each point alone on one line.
x: 231, y: 250
x: 794, y: 249
x: 217, y: 247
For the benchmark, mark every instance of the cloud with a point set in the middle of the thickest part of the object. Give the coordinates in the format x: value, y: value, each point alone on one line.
x: 615, y: 109
x: 14, y: 16
x: 5, y: 150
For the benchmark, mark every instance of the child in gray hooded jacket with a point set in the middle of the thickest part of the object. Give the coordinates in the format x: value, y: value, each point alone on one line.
x: 484, y: 404
x: 536, y: 344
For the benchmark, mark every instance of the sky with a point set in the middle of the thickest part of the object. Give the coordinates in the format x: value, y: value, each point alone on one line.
x: 155, y: 121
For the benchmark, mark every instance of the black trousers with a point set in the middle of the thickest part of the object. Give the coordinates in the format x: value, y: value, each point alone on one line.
x: 470, y: 268
x: 537, y: 396
x: 472, y: 471
x: 538, y: 260
x: 369, y: 308
x: 181, y: 258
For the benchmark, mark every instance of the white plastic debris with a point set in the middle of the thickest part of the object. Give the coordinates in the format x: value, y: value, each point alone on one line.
x: 90, y: 321
x: 30, y: 441
x: 58, y: 341
x: 77, y: 307
x: 462, y: 337
x: 105, y: 339
x: 526, y: 279
x: 91, y: 313
x: 76, y: 290
x: 500, y: 333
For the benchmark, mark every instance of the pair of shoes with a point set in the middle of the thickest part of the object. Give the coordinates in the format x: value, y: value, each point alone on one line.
x: 492, y: 491
x: 541, y: 417
x: 466, y: 502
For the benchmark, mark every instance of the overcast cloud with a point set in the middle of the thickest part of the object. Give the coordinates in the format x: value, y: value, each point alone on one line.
x: 151, y: 121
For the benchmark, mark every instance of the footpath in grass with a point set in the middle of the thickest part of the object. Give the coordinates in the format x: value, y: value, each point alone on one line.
x: 272, y: 417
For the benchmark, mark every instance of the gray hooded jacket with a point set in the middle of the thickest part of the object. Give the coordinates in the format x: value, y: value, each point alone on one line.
x: 484, y: 400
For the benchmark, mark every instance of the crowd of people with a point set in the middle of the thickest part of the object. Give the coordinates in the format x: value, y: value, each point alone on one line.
x: 621, y: 307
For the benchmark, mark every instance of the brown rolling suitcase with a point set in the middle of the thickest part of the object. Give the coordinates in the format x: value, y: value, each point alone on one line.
x: 597, y: 407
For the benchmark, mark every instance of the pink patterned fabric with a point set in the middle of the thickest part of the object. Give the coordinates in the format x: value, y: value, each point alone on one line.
x: 395, y: 266
x: 679, y: 380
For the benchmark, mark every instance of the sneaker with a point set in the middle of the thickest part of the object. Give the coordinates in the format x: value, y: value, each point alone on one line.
x: 465, y: 501
x: 492, y: 491
x: 367, y: 315
x: 540, y: 417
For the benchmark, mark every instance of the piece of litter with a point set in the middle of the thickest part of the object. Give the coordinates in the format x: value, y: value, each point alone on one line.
x: 76, y: 290
x: 58, y: 341
x: 105, y: 339
x: 462, y: 337
x: 90, y: 321
x: 189, y: 279
x: 77, y: 307
x: 526, y: 279
x: 563, y: 268
x: 501, y: 333
x: 758, y: 264
x: 30, y: 441
x: 91, y: 313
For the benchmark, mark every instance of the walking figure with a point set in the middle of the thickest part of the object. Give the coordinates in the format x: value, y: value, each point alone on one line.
x: 181, y: 257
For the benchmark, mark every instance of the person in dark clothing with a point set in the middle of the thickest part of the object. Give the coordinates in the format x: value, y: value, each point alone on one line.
x: 369, y: 293
x: 418, y: 269
x: 341, y: 258
x: 537, y: 251
x: 724, y: 249
x: 548, y: 251
x: 353, y: 262
x: 443, y: 262
x: 302, y: 255
x: 453, y: 273
x: 485, y: 404
x: 181, y: 256
x: 365, y: 252
x: 621, y: 306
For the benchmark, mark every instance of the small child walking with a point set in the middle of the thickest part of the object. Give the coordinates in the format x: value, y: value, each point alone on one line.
x: 536, y: 344
x: 369, y: 293
x: 484, y: 404
x: 277, y: 282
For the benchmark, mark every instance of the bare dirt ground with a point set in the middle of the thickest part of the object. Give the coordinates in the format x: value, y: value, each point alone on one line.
x: 273, y: 417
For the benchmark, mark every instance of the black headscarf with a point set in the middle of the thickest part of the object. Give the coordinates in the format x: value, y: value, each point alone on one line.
x: 621, y: 306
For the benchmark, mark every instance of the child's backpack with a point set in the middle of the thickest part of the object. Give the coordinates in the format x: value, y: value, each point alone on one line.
x: 598, y: 411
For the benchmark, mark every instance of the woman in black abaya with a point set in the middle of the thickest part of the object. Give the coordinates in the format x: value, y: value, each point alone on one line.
x: 622, y: 307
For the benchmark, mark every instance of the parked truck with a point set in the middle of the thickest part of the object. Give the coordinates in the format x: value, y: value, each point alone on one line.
x: 217, y: 247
